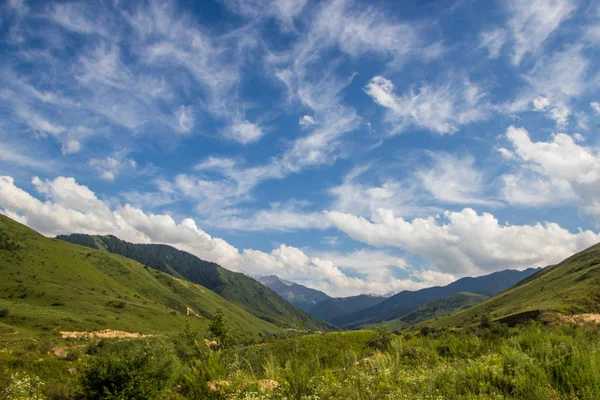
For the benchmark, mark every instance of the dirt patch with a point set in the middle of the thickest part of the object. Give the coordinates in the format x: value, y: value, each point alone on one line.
x: 579, y: 319
x: 189, y: 312
x: 184, y: 283
x: 105, y: 334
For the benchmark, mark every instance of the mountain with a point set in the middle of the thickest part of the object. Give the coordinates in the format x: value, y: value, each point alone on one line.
x: 299, y: 295
x: 235, y: 287
x: 571, y: 287
x: 49, y: 286
x: 438, y: 308
x: 335, y: 307
x: 406, y: 301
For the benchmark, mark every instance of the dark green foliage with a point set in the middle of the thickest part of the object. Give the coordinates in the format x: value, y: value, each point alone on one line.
x: 129, y: 370
x: 381, y: 340
x: 4, y: 312
x: 6, y: 244
x: 218, y: 329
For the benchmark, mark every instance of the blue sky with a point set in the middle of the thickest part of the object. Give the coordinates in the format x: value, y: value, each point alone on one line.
x: 350, y: 146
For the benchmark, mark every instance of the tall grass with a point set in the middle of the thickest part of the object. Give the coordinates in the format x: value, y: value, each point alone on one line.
x: 529, y: 362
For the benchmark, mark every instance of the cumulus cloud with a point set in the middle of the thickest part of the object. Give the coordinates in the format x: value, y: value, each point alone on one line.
x: 465, y: 242
x: 596, y: 106
x: 441, y: 109
x: 70, y: 207
x: 559, y: 170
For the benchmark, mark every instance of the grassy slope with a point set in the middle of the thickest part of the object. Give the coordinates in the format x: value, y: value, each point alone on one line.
x: 51, y: 285
x: 572, y: 286
x: 438, y: 308
x: 235, y: 287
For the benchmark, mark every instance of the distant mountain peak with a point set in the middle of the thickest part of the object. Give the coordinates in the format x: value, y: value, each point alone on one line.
x: 268, y: 280
x: 299, y: 295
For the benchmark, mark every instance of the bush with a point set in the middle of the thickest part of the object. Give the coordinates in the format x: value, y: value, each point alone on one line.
x: 137, y: 369
x: 4, y: 313
x: 381, y: 340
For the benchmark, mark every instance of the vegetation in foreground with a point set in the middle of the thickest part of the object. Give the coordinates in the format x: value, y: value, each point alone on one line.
x: 487, y: 362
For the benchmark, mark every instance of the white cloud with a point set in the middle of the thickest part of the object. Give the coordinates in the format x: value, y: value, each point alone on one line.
x: 184, y: 116
x: 466, y: 243
x: 71, y: 147
x: 533, y: 21
x: 284, y: 11
x: 493, y: 40
x: 70, y: 207
x: 244, y: 132
x: 555, y: 81
x: 364, y: 198
x: 553, y: 172
x: 307, y: 120
x: 596, y: 106
x: 109, y: 167
x: 441, y: 109
x: 541, y: 103
x: 560, y: 114
x: 454, y: 180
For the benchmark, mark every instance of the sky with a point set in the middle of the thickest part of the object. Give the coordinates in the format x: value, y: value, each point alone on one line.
x: 353, y: 147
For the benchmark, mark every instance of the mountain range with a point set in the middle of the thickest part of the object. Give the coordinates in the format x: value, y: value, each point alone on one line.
x: 406, y: 301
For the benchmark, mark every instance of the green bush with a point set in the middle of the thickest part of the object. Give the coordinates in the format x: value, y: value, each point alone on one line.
x: 4, y: 312
x: 137, y: 369
x: 381, y: 340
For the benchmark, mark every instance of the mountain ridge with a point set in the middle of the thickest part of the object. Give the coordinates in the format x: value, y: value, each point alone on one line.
x: 299, y: 295
x: 234, y: 287
x: 406, y: 301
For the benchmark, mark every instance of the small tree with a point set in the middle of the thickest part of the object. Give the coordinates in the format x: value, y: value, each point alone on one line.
x: 218, y: 329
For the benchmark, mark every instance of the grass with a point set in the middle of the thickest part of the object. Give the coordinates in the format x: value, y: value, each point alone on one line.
x: 527, y: 362
x: 570, y: 287
x: 50, y: 286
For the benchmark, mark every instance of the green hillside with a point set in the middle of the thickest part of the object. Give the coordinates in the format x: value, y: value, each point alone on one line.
x: 438, y: 308
x: 235, y: 287
x: 49, y: 286
x: 571, y: 287
x: 331, y: 309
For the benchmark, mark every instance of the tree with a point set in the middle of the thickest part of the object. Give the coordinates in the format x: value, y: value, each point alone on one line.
x: 218, y: 328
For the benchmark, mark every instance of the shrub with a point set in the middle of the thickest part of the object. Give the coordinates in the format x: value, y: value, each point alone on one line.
x: 4, y: 313
x: 23, y: 386
x: 381, y: 340
x: 137, y: 369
